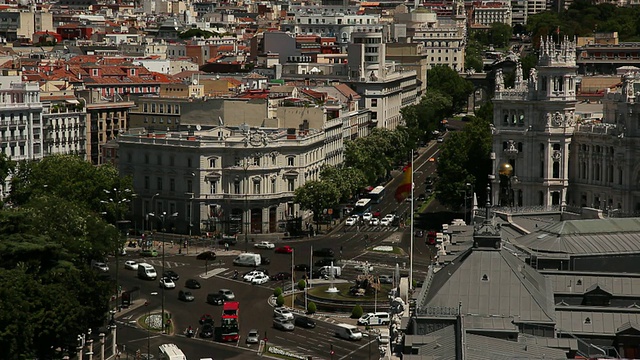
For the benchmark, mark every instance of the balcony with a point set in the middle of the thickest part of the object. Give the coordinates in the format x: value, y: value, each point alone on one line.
x: 249, y: 197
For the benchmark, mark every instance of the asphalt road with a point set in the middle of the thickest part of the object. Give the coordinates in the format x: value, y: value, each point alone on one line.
x: 255, y: 312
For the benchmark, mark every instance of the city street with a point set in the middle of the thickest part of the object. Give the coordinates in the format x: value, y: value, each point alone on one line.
x: 349, y: 244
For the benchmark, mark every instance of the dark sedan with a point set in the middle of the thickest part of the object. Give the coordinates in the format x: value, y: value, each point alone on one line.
x: 171, y: 274
x: 326, y: 262
x: 207, y: 255
x: 207, y: 331
x: 304, y: 322
x: 302, y: 267
x: 324, y: 252
x: 281, y: 276
x: 215, y: 299
x: 192, y: 284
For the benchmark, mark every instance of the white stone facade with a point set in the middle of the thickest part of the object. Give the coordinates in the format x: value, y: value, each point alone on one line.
x: 21, y: 131
x: 238, y: 180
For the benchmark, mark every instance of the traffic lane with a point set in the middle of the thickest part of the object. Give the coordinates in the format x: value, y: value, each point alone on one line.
x: 318, y: 341
x: 133, y: 339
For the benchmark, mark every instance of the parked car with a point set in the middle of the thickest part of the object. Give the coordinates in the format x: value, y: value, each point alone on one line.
x: 253, y: 337
x: 228, y: 294
x: 374, y: 222
x: 264, y: 245
x: 206, y: 319
x: 131, y: 265
x: 284, y: 250
x: 149, y: 253
x: 283, y: 313
x: 260, y: 279
x: 376, y: 213
x: 325, y: 262
x: 304, y: 322
x: 301, y: 267
x: 385, y: 222
x: 367, y: 216
x: 167, y: 283
x: 171, y: 274
x: 385, y: 279
x: 185, y: 295
x: 441, y: 139
x: 281, y: 276
x: 326, y: 252
x: 192, y: 284
x: 206, y: 331
x: 283, y: 324
x: 215, y: 299
x: 351, y: 221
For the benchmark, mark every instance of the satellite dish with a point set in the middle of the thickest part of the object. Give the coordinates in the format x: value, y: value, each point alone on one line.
x: 198, y: 127
x: 194, y: 82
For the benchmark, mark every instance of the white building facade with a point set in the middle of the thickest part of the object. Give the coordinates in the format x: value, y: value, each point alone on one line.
x: 227, y: 180
x: 21, y: 130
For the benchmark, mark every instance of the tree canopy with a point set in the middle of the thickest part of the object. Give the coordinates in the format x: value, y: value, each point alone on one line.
x: 448, y: 82
x: 49, y: 235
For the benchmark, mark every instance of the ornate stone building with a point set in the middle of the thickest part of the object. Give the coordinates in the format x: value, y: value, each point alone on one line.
x: 533, y: 130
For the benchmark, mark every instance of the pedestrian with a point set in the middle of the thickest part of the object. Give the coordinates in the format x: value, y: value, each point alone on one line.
x: 226, y: 246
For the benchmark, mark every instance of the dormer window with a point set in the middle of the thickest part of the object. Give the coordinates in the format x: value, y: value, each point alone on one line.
x: 485, y: 277
x: 94, y: 72
x: 132, y: 72
x: 587, y: 321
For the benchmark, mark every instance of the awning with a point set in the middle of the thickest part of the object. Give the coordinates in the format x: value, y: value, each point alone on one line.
x: 73, y: 101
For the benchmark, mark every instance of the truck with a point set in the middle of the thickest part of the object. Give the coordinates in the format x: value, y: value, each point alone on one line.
x: 170, y: 352
x: 146, y: 271
x: 248, y: 259
x: 348, y: 332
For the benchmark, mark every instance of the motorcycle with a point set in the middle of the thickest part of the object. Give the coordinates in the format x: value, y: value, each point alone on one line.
x: 189, y: 332
x: 235, y: 275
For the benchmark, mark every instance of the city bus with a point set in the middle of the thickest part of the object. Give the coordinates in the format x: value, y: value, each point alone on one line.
x: 362, y: 206
x: 170, y: 352
x: 230, y: 321
x: 376, y: 195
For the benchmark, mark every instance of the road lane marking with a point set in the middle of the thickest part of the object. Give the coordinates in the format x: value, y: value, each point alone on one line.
x: 360, y: 348
x: 144, y: 338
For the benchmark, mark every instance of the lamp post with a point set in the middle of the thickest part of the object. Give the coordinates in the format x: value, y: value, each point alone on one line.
x: 153, y: 207
x: 163, y: 219
x: 117, y: 200
x: 506, y: 192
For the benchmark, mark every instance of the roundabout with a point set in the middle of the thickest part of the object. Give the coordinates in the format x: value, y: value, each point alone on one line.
x: 344, y: 298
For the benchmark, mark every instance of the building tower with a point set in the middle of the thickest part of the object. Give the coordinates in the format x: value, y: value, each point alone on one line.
x: 533, y: 124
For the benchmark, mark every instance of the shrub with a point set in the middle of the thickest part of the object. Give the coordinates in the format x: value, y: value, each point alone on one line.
x: 357, y: 312
x: 302, y: 284
x: 280, y: 300
x: 277, y: 292
x: 311, y: 307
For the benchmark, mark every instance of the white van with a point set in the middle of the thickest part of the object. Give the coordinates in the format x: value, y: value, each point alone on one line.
x: 170, y: 352
x: 378, y: 318
x: 146, y: 271
x: 326, y: 270
x: 248, y: 259
x: 348, y: 332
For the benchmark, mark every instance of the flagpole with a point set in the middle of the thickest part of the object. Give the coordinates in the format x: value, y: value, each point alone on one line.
x: 411, y: 229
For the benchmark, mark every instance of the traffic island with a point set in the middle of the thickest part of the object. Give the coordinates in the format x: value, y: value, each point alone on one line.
x: 154, y: 322
x: 343, y: 301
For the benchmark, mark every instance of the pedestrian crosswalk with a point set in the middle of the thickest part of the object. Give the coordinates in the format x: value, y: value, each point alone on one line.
x: 370, y: 228
x: 158, y: 262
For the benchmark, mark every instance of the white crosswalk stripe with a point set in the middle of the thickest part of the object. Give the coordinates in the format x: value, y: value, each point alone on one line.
x: 158, y: 262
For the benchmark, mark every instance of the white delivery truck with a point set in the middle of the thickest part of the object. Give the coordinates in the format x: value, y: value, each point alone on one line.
x: 248, y: 259
x: 170, y: 352
x: 349, y: 332
x: 146, y: 271
x: 327, y: 270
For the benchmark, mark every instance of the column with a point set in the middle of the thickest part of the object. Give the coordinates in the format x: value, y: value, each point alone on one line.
x: 265, y: 220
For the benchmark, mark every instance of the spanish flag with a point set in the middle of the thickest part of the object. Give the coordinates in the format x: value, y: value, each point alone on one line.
x: 404, y: 189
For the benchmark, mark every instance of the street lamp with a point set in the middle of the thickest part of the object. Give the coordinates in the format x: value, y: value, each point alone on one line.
x: 153, y: 208
x: 506, y: 192
x: 118, y: 199
x: 163, y: 219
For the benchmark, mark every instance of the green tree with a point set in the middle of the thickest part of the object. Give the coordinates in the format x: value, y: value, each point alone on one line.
x: 485, y: 112
x: 348, y: 180
x: 195, y: 33
x: 311, y: 307
x: 500, y: 34
x: 464, y: 158
x: 357, y: 312
x: 376, y: 154
x: 277, y: 291
x: 302, y: 284
x: 280, y: 300
x: 317, y: 196
x: 448, y: 81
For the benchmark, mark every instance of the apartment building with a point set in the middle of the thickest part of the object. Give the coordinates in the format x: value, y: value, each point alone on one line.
x: 21, y: 128
x: 64, y: 123
x: 232, y: 180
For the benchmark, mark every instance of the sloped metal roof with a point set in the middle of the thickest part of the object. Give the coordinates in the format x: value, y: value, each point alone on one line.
x: 491, y: 283
x: 599, y: 236
x: 594, y: 322
x: 616, y: 284
x: 441, y: 345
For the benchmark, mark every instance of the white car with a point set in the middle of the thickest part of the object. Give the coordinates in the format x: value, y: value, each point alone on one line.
x: 367, y: 216
x: 264, y: 245
x: 390, y: 217
x: 283, y: 313
x: 351, y: 221
x: 131, y: 265
x: 260, y: 279
x: 385, y: 222
x: 362, y: 267
x: 251, y: 275
x: 101, y: 266
x: 374, y: 222
x: 167, y: 283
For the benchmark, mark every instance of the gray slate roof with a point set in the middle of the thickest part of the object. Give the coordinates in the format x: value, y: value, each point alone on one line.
x: 511, y: 288
x: 586, y: 237
x: 604, y: 323
x: 441, y: 345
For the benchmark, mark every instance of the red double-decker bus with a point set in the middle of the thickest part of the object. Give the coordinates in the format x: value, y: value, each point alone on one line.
x: 230, y: 321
